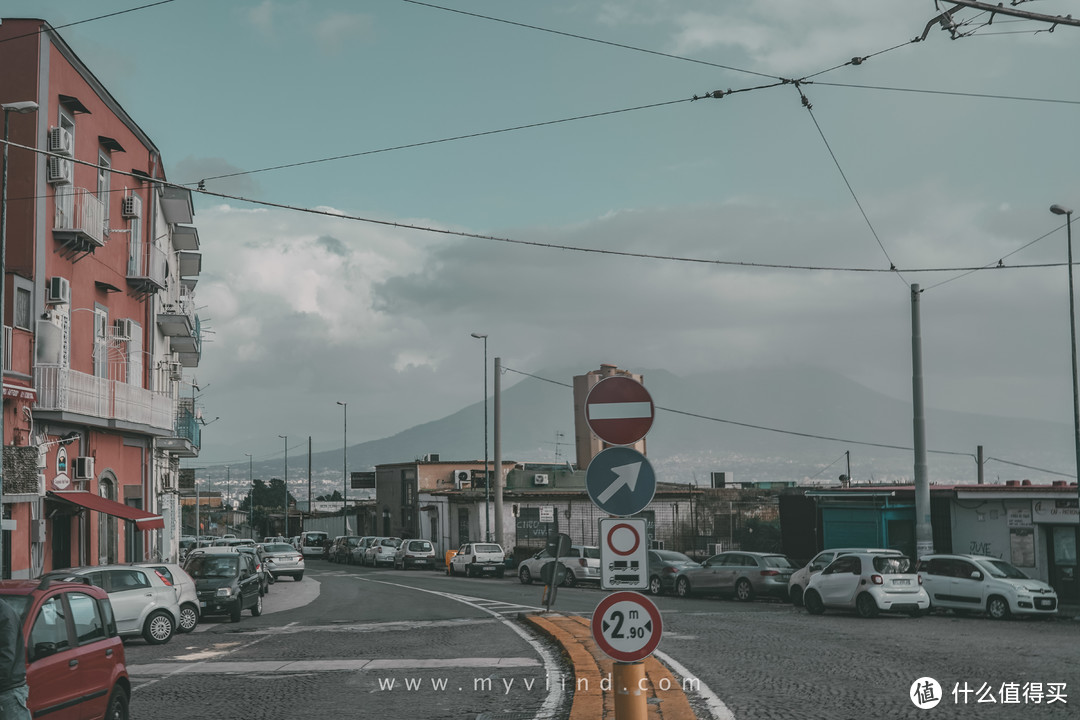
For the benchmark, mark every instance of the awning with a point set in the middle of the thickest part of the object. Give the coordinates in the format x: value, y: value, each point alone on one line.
x: 143, y: 520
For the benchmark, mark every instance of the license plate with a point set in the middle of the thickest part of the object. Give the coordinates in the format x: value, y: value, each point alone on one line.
x: 901, y: 582
x: 490, y: 567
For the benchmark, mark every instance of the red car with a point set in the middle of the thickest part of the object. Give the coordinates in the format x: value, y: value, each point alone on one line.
x: 75, y: 664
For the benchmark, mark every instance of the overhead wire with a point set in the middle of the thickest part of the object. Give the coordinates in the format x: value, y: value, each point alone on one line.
x: 92, y: 19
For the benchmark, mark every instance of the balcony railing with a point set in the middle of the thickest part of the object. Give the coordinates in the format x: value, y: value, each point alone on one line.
x: 59, y: 388
x: 80, y: 219
x: 146, y: 268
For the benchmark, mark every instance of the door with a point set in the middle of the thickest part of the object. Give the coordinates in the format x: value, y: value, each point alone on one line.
x: 249, y: 582
x: 1063, y: 568
x: 95, y: 653
x: 707, y: 579
x: 130, y: 594
x: 967, y: 591
x: 724, y: 574
x: 57, y: 682
x: 840, y: 581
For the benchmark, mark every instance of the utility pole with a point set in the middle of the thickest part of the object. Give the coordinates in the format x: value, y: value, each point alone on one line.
x: 497, y: 475
x: 924, y: 532
x: 946, y: 21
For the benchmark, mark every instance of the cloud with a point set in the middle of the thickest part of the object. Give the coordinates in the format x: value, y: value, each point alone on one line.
x: 338, y: 30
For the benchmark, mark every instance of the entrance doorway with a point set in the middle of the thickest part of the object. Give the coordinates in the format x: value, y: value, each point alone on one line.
x: 1062, y: 560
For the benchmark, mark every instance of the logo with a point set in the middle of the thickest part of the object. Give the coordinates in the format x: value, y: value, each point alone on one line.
x: 925, y: 693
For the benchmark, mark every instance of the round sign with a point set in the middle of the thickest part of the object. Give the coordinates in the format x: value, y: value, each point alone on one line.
x: 619, y: 410
x: 623, y: 539
x: 627, y: 626
x: 620, y: 481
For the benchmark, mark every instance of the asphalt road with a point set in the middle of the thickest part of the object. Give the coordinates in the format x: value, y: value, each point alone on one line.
x: 351, y: 642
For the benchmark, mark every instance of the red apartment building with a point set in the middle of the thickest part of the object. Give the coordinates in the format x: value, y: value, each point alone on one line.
x: 98, y: 322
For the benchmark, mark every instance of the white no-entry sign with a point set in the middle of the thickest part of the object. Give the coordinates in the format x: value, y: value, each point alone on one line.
x: 627, y: 626
x: 619, y: 410
x: 624, y: 554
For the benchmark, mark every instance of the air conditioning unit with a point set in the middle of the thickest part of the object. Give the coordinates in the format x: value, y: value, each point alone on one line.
x: 58, y: 291
x: 83, y: 468
x: 176, y: 370
x: 131, y: 206
x: 61, y: 141
x: 656, y: 545
x: 714, y: 548
x: 540, y: 479
x: 122, y: 329
x: 462, y: 478
x: 60, y: 171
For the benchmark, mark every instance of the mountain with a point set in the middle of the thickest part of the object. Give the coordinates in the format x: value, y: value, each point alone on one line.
x: 791, y: 423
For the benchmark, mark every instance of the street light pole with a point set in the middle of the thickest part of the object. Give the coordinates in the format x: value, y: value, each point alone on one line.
x: 285, y: 482
x: 487, y: 478
x: 345, y: 469
x: 1067, y: 212
x: 251, y: 499
x: 23, y: 107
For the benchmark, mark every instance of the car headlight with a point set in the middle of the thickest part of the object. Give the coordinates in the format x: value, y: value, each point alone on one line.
x: 223, y: 592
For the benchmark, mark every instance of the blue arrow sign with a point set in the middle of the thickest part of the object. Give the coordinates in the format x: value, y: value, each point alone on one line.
x: 620, y: 481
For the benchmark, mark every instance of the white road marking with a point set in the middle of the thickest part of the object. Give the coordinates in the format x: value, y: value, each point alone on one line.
x: 716, y: 706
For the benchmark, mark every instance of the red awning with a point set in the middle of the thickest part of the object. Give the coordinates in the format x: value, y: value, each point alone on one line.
x: 143, y: 520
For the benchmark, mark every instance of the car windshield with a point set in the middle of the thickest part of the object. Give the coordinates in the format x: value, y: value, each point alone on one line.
x: 592, y: 553
x: 279, y: 548
x: 390, y: 542
x: 482, y: 548
x: 672, y: 556
x: 420, y: 545
x: 315, y: 539
x: 777, y: 561
x: 891, y: 564
x: 208, y: 566
x: 1002, y: 569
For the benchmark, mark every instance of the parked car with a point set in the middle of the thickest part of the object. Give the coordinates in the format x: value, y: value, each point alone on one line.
x: 187, y: 544
x: 869, y: 584
x: 381, y: 551
x: 311, y: 542
x: 226, y: 582
x: 978, y: 583
x: 143, y: 601
x: 799, y: 578
x: 478, y: 559
x: 582, y: 564
x: 189, y: 599
x: 342, y: 549
x: 741, y: 574
x: 414, y: 553
x: 665, y: 568
x: 75, y: 662
x: 283, y: 559
x: 361, y: 548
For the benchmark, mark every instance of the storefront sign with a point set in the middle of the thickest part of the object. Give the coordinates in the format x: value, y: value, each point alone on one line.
x: 1056, y: 511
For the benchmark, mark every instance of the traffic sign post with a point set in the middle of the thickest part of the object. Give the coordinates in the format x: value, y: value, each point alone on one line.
x: 627, y: 626
x: 624, y: 554
x: 619, y: 410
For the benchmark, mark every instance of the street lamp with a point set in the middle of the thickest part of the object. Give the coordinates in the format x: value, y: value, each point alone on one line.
x: 23, y: 107
x: 285, y: 482
x: 345, y: 469
x: 1067, y: 212
x: 251, y: 499
x: 487, y: 482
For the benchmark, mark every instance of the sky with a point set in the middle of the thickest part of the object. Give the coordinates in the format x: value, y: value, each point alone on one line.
x: 385, y: 178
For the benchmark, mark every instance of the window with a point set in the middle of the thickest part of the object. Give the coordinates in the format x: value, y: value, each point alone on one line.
x: 49, y: 634
x: 22, y: 316
x: 103, y: 178
x: 844, y: 564
x: 85, y: 612
x: 101, y: 341
x: 120, y: 580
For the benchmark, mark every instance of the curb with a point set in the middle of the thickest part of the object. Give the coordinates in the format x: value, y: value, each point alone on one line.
x: 593, y: 699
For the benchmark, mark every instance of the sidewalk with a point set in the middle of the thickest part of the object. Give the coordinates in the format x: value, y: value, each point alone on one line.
x: 594, y: 698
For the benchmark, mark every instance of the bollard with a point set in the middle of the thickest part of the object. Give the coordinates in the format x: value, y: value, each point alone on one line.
x: 627, y: 681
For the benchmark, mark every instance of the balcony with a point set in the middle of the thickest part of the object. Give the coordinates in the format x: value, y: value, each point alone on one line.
x: 146, y: 268
x: 79, y: 224
x: 177, y: 320
x: 187, y: 433
x: 116, y: 403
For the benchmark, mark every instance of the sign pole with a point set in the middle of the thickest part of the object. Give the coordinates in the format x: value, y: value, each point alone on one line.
x: 627, y: 679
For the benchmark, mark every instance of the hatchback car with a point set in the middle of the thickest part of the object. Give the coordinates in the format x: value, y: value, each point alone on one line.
x: 283, y: 559
x: 665, y: 568
x: 361, y: 548
x: 226, y: 581
x: 414, y: 553
x: 799, y: 578
x: 342, y: 549
x: 868, y: 584
x: 189, y: 599
x: 75, y: 662
x: 743, y: 575
x: 582, y: 564
x: 381, y: 551
x: 143, y: 601
x: 478, y: 559
x: 256, y: 554
x: 311, y: 542
x: 978, y: 583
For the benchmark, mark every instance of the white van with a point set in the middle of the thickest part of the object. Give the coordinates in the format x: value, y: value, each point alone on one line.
x: 311, y: 542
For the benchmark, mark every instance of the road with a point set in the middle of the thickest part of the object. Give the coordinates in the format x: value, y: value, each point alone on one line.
x: 351, y: 642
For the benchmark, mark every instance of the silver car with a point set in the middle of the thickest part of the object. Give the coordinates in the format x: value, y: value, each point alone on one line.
x: 741, y: 574
x: 582, y: 565
x: 189, y: 599
x: 143, y: 601
x: 283, y: 559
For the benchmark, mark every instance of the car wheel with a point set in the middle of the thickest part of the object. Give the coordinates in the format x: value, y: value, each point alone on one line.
x: 525, y: 576
x: 570, y: 580
x: 117, y: 709
x: 997, y: 607
x: 298, y: 577
x: 866, y: 606
x: 450, y: 569
x: 744, y: 591
x: 682, y: 587
x: 256, y: 609
x: 655, y: 588
x: 468, y: 571
x: 189, y: 618
x: 158, y: 628
x: 813, y: 603
x: 237, y: 608
x: 795, y: 595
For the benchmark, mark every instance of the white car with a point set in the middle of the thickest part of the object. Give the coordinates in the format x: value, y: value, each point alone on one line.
x: 143, y: 601
x: 868, y: 584
x: 478, y: 559
x: 189, y: 598
x: 799, y: 579
x: 582, y: 565
x: 979, y: 583
x: 414, y: 553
